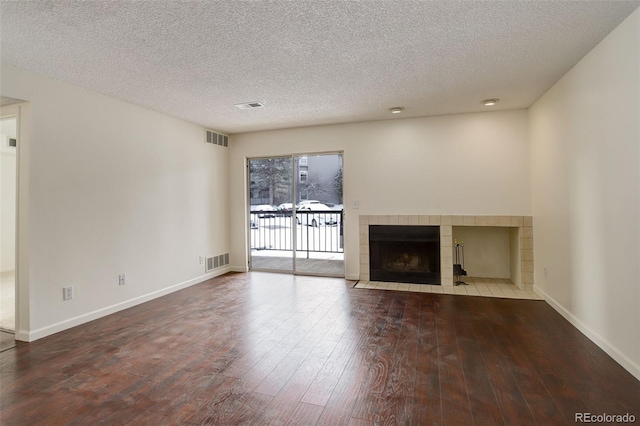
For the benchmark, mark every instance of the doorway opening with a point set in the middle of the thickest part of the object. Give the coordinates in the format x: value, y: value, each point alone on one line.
x: 295, y: 214
x: 8, y: 193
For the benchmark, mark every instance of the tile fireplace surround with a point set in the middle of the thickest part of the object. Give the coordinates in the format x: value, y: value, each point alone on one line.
x: 524, y: 225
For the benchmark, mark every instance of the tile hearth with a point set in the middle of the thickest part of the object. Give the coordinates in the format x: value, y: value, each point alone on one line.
x: 485, y: 287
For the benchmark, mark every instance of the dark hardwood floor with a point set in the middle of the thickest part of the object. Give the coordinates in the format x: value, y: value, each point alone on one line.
x: 262, y: 349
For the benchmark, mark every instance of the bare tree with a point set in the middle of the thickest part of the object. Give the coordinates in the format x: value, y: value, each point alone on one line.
x: 337, y: 184
x: 272, y: 175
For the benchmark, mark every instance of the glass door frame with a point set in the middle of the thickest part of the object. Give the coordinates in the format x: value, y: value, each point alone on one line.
x: 294, y: 225
x: 293, y: 214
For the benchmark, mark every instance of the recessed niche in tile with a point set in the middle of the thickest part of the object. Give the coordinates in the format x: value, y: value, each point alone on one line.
x: 527, y: 232
x: 446, y: 254
x: 446, y: 230
x: 445, y: 242
x: 480, y: 220
x: 457, y: 220
x: 504, y: 220
x: 527, y: 266
x: 487, y: 251
x: 517, y: 221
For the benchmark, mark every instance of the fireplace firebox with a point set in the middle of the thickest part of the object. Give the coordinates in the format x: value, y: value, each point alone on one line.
x: 404, y: 254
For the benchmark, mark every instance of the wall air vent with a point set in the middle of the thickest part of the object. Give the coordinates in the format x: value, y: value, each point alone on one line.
x: 216, y: 138
x: 216, y: 262
x: 250, y: 105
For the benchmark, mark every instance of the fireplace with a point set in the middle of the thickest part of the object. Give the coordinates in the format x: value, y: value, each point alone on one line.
x: 404, y: 254
x: 520, y: 242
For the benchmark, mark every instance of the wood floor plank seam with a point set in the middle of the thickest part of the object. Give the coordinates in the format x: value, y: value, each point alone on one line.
x: 490, y: 382
x: 464, y: 377
x: 546, y: 397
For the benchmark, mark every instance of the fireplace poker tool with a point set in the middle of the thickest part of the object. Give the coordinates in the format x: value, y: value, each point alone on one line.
x: 458, y: 267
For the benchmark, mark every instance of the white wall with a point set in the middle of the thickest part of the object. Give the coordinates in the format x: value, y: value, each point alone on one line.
x: 476, y: 164
x: 114, y: 188
x: 585, y: 137
x: 8, y: 195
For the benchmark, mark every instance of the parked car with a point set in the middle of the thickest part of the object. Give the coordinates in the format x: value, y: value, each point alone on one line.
x: 316, y: 214
x: 265, y: 210
x: 306, y: 202
x: 285, y: 209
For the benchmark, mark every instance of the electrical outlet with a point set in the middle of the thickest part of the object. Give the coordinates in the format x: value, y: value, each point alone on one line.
x: 546, y: 272
x: 67, y: 293
x: 201, y: 260
x: 121, y: 279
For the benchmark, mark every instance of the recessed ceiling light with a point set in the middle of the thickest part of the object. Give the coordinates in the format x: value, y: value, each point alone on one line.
x: 490, y: 102
x: 396, y: 110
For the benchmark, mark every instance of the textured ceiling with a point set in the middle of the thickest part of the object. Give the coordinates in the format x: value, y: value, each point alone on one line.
x: 309, y: 62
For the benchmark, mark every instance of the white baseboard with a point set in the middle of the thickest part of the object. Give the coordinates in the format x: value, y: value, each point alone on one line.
x: 22, y: 336
x: 614, y: 353
x: 352, y: 277
x: 30, y: 336
x: 239, y: 269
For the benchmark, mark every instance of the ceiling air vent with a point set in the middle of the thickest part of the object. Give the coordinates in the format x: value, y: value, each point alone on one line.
x: 249, y: 105
x: 217, y: 138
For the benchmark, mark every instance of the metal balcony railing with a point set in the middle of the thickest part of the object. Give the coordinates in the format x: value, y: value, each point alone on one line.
x: 315, y: 231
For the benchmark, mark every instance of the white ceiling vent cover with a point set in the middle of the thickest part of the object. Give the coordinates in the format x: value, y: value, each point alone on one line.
x: 250, y: 105
x: 216, y: 138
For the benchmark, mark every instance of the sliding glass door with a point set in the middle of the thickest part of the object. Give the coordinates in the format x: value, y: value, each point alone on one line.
x: 319, y: 249
x: 271, y: 224
x: 296, y: 214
